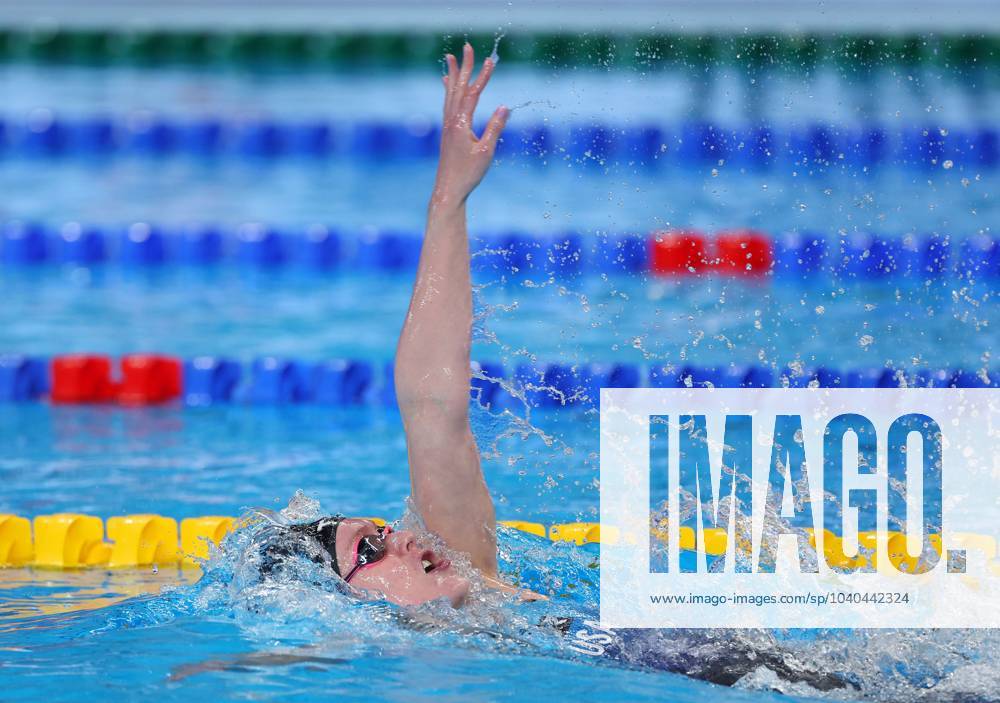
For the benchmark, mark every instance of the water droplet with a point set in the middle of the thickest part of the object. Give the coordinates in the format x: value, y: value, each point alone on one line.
x: 494, y: 56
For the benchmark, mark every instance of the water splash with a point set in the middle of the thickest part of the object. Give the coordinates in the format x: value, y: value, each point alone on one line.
x: 494, y: 56
x: 544, y: 103
x: 304, y: 604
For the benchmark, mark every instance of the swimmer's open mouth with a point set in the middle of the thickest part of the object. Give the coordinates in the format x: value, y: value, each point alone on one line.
x: 430, y: 564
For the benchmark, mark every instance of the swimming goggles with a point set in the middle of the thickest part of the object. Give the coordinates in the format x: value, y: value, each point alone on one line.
x: 370, y: 550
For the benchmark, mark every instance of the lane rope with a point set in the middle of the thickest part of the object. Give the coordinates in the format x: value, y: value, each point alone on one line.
x: 805, y: 257
x: 152, y: 379
x: 697, y: 144
x: 74, y: 541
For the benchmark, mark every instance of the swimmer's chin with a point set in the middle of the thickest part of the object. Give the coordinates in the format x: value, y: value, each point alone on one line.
x: 452, y: 589
x: 461, y: 594
x: 455, y: 589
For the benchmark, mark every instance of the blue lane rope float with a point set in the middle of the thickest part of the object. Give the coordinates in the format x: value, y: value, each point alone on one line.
x: 45, y: 134
x: 269, y: 381
x: 800, y: 256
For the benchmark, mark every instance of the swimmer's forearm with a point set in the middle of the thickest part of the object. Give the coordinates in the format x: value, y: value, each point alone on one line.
x: 432, y: 358
x: 432, y: 389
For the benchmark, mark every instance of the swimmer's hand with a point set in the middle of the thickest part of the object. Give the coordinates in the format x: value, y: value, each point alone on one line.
x: 465, y: 158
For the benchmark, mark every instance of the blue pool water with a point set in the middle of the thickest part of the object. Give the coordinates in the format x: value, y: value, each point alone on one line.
x: 626, y: 319
x: 776, y: 95
x: 564, y: 195
x: 103, y: 461
x: 75, y: 635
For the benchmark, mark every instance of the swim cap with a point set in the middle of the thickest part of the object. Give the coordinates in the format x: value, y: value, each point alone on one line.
x: 292, y: 541
x: 324, y: 531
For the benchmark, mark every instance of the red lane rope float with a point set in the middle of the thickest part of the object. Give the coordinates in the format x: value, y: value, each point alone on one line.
x: 742, y: 252
x: 79, y: 378
x: 145, y: 379
x: 679, y: 252
x: 148, y: 378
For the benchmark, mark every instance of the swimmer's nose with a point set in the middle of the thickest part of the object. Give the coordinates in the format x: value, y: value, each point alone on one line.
x: 400, y: 542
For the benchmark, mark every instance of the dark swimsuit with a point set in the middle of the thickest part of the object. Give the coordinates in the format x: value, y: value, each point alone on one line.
x: 688, y: 655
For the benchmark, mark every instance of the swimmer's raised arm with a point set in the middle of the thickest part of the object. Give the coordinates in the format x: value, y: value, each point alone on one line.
x: 432, y: 359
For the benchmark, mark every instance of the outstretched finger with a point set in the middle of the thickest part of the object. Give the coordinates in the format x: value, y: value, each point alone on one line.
x: 494, y: 127
x: 468, y: 61
x: 450, y: 82
x: 471, y: 98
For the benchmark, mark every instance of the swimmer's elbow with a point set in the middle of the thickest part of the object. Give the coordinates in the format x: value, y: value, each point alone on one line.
x: 444, y: 413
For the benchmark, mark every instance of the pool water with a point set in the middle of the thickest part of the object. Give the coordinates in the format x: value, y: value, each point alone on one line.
x: 103, y: 462
x: 132, y: 634
x: 571, y: 195
x: 634, y: 319
x: 776, y: 95
x: 136, y: 632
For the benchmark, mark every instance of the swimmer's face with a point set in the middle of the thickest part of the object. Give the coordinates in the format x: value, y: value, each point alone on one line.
x: 409, y: 574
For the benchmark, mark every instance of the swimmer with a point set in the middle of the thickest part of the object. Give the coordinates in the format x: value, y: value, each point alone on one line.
x: 432, y: 376
x: 449, y: 491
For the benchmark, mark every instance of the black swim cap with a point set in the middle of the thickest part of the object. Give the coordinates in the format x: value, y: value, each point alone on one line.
x: 291, y: 542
